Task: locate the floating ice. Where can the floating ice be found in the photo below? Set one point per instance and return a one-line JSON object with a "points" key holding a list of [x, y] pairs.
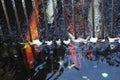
{"points": [[105, 75]]}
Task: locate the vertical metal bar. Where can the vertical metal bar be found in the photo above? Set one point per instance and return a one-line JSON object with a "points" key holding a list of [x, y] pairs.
{"points": [[37, 20], [45, 17], [73, 18], [93, 33], [83, 9], [1, 32], [65, 26], [103, 36], [112, 26], [6, 15], [17, 19], [26, 17], [54, 11]]}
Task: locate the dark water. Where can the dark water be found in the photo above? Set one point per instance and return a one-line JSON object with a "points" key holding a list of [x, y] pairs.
{"points": [[104, 60]]}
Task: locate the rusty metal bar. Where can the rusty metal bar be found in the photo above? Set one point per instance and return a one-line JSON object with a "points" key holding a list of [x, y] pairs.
{"points": [[29, 29], [6, 16], [45, 18], [112, 25], [65, 25], [37, 20], [26, 17], [17, 19], [73, 18], [54, 10], [93, 33], [103, 36], [83, 9]]}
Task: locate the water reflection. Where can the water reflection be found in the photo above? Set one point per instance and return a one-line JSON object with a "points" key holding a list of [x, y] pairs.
{"points": [[58, 61], [55, 62]]}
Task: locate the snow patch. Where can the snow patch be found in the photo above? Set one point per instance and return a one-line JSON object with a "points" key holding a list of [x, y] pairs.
{"points": [[105, 75]]}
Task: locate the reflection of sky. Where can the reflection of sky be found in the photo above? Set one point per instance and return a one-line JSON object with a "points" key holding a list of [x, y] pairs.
{"points": [[93, 70]]}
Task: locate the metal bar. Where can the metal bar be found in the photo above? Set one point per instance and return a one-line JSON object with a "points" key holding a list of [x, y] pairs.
{"points": [[6, 16], [26, 17], [65, 25], [17, 19], [37, 20], [73, 18], [103, 36], [45, 17], [54, 10], [93, 33], [83, 9], [112, 26], [1, 32]]}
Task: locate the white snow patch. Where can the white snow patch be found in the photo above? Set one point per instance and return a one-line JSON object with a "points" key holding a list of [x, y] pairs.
{"points": [[94, 40], [105, 75], [36, 42], [48, 42], [84, 77], [67, 42], [58, 42]]}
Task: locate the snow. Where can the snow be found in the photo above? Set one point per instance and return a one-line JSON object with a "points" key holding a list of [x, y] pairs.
{"points": [[105, 75], [67, 42], [94, 40], [48, 42], [58, 42], [36, 42]]}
